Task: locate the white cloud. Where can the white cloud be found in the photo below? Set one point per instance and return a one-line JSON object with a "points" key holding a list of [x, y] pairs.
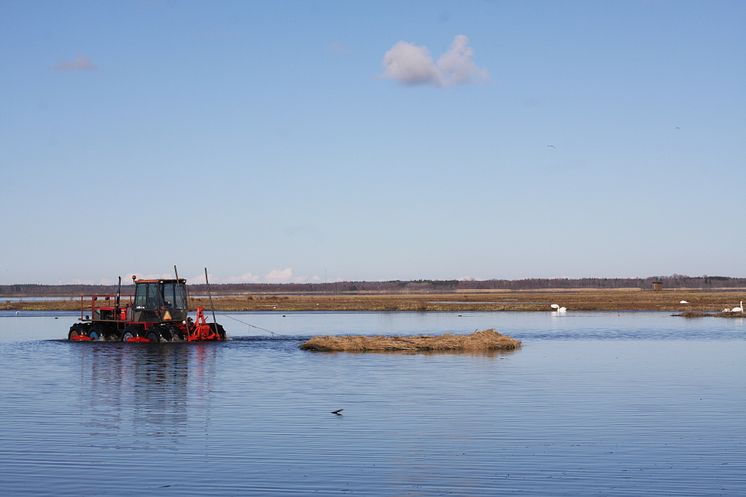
{"points": [[280, 275], [457, 64], [286, 275], [242, 278], [411, 64], [79, 63], [126, 279]]}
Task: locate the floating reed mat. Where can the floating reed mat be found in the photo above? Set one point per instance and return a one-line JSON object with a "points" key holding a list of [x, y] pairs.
{"points": [[708, 314], [479, 341]]}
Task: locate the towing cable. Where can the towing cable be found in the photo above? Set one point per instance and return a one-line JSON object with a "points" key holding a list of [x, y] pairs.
{"points": [[250, 325]]}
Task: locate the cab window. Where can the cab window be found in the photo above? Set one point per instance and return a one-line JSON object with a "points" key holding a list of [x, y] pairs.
{"points": [[174, 295], [148, 296], [141, 294], [180, 296]]}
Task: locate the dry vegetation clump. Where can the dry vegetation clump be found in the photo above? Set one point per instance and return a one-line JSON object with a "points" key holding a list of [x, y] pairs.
{"points": [[694, 314], [704, 314], [732, 315], [479, 341]]}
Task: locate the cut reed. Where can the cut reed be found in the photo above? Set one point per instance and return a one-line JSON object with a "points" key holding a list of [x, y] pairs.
{"points": [[479, 341]]}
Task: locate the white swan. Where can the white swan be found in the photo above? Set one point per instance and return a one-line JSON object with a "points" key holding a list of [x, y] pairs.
{"points": [[738, 309], [560, 310], [683, 302]]}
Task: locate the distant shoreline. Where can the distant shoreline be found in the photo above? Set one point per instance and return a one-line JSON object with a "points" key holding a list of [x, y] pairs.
{"points": [[676, 281], [699, 301]]}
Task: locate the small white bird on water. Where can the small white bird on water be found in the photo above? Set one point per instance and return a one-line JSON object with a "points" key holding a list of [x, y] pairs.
{"points": [[683, 302], [560, 310]]}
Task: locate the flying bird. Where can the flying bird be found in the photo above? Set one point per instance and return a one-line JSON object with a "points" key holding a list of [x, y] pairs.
{"points": [[551, 146], [338, 412]]}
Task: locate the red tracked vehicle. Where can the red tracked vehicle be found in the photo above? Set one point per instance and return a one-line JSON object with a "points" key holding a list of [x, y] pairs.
{"points": [[158, 313]]}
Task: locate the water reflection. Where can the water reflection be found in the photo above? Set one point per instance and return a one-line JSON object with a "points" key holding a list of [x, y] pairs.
{"points": [[593, 404], [128, 394], [487, 354]]}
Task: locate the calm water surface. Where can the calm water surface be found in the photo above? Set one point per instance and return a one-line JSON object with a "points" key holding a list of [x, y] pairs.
{"points": [[593, 404]]}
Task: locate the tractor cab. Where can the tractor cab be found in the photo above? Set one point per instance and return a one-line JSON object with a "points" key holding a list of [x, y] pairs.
{"points": [[158, 301]]}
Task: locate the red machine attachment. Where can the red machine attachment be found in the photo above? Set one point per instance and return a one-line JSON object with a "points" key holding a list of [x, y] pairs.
{"points": [[198, 331], [202, 331]]}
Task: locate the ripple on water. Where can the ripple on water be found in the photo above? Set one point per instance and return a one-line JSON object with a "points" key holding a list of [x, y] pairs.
{"points": [[631, 405]]}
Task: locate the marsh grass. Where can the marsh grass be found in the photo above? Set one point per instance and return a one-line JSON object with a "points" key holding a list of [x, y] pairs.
{"points": [[492, 300], [705, 314], [479, 341]]}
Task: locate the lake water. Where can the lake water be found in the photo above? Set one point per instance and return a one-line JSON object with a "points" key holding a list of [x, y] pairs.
{"points": [[594, 404]]}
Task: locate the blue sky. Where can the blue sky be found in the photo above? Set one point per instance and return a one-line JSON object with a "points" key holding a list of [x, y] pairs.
{"points": [[268, 142]]}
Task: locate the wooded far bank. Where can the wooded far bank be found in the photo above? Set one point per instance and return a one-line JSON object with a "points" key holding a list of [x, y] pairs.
{"points": [[396, 286]]}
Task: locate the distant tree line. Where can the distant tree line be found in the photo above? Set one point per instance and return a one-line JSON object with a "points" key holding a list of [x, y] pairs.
{"points": [[434, 286]]}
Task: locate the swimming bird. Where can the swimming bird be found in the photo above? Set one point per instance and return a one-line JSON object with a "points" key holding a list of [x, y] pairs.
{"points": [[727, 309], [683, 302], [338, 412], [739, 308], [560, 310]]}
